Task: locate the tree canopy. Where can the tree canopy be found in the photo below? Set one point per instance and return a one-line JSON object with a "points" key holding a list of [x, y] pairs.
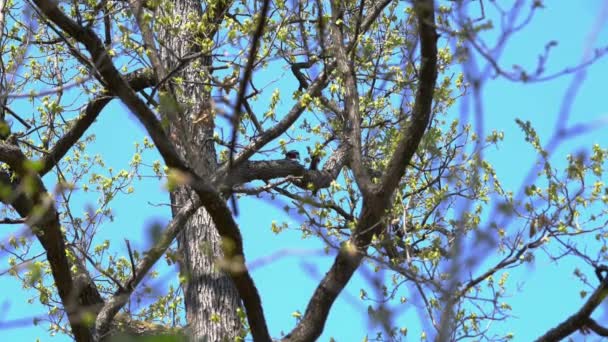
{"points": [[341, 113]]}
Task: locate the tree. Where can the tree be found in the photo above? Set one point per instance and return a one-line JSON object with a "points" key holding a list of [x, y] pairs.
{"points": [[400, 186]]}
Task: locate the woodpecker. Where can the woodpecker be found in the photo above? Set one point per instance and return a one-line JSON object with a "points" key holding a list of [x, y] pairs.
{"points": [[292, 155]]}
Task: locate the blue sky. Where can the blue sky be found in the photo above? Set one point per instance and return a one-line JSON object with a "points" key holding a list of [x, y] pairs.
{"points": [[549, 292]]}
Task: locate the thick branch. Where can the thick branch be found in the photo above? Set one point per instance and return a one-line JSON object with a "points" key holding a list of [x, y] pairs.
{"points": [[579, 319], [42, 217], [271, 169], [412, 132], [274, 132], [115, 81], [598, 329], [346, 263], [65, 143], [138, 80], [264, 170], [313, 90], [211, 199], [351, 105], [373, 208]]}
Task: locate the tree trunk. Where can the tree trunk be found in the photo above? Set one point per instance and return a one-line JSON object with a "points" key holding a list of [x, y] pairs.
{"points": [[211, 299]]}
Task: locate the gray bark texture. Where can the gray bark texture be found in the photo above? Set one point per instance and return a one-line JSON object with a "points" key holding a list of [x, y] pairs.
{"points": [[211, 298]]}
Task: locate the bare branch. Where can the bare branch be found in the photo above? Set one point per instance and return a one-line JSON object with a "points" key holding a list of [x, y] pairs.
{"points": [[211, 199], [580, 319], [313, 91], [413, 131], [138, 80], [240, 99], [369, 223], [598, 329], [351, 104], [115, 81], [120, 298], [43, 218], [270, 169]]}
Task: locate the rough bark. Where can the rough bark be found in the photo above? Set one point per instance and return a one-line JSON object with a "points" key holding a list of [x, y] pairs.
{"points": [[210, 295], [211, 298], [78, 292]]}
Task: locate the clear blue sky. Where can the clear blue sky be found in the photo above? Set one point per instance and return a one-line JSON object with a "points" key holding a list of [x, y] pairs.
{"points": [[549, 291]]}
